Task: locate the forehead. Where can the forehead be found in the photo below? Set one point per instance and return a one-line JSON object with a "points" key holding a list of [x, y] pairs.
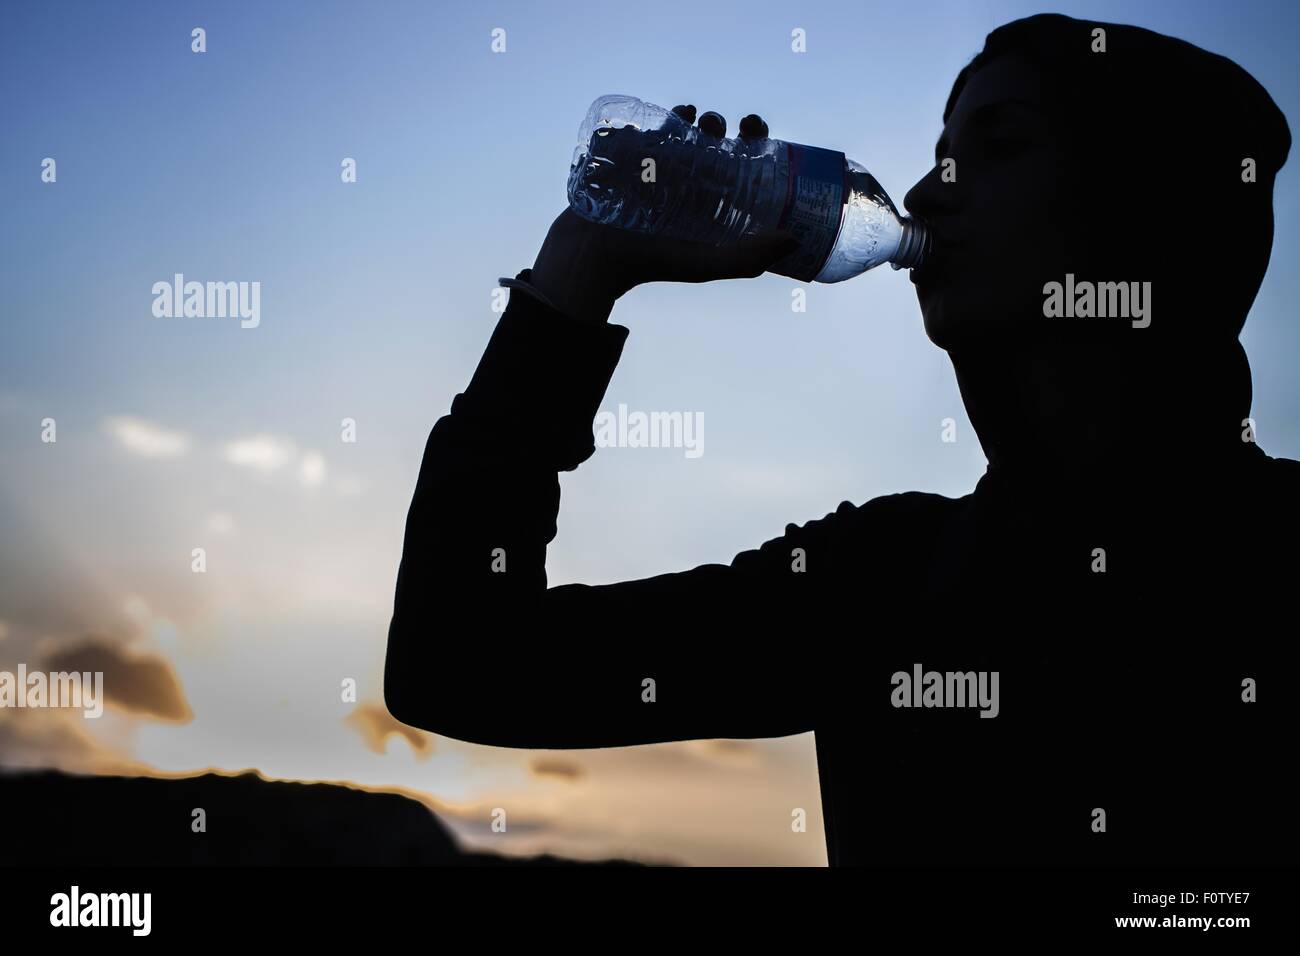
{"points": [[1007, 79]]}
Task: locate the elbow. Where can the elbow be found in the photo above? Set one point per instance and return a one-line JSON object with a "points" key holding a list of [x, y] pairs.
{"points": [[415, 696], [409, 688], [404, 698]]}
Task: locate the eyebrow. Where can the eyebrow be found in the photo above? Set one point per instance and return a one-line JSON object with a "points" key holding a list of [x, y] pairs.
{"points": [[984, 116]]}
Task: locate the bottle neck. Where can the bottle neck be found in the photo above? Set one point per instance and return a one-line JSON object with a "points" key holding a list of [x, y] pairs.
{"points": [[913, 246]]}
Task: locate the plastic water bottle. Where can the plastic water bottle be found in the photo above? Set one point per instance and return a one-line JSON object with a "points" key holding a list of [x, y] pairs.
{"points": [[639, 166]]}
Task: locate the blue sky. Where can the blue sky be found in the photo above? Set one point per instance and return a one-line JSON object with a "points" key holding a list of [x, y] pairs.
{"points": [[377, 301]]}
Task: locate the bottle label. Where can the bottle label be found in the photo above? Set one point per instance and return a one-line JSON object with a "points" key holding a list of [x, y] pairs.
{"points": [[813, 210]]}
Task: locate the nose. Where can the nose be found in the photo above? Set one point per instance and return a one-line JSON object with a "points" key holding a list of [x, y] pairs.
{"points": [[931, 198]]}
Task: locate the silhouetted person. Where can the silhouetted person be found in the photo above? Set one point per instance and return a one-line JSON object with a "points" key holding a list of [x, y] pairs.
{"points": [[1126, 564]]}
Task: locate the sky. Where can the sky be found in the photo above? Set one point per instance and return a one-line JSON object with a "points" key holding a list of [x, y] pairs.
{"points": [[376, 302]]}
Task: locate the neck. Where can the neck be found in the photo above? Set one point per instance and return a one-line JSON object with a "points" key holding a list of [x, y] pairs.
{"points": [[1099, 427]]}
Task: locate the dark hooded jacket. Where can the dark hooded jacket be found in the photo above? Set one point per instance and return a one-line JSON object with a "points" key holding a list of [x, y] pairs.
{"points": [[1130, 612]]}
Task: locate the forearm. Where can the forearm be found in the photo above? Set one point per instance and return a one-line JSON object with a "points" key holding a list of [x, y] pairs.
{"points": [[485, 507]]}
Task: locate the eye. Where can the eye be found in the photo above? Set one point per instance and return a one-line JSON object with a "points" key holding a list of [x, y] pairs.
{"points": [[1006, 147]]}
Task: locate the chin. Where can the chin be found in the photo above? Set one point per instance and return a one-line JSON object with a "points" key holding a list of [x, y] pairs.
{"points": [[942, 327], [937, 333], [954, 318]]}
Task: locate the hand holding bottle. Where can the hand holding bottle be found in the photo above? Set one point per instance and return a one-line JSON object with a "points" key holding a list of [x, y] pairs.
{"points": [[584, 266]]}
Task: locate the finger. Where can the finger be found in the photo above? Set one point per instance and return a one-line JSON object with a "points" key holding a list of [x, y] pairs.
{"points": [[685, 112], [714, 124], [753, 127], [746, 259], [759, 253]]}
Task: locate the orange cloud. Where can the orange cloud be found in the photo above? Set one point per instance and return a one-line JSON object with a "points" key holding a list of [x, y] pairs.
{"points": [[138, 683], [375, 725], [555, 767], [55, 738]]}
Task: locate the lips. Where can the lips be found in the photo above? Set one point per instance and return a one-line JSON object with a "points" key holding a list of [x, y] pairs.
{"points": [[934, 263], [926, 271]]}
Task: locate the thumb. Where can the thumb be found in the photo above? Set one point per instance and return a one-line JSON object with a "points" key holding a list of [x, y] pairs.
{"points": [[756, 254]]}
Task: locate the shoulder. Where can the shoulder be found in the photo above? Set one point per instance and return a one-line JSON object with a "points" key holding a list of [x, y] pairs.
{"points": [[1275, 483], [1283, 469], [921, 505], [1281, 488], [914, 517]]}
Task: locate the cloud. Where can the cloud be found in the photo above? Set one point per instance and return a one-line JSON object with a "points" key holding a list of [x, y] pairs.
{"points": [[349, 485], [702, 802], [270, 453], [375, 725], [220, 523], [728, 749], [56, 738], [137, 683], [311, 470], [260, 452], [556, 767], [147, 439]]}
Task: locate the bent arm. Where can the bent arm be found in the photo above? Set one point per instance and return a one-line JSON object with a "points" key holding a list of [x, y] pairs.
{"points": [[481, 650]]}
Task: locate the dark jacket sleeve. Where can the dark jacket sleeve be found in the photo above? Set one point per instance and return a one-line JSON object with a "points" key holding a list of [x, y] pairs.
{"points": [[481, 650]]}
